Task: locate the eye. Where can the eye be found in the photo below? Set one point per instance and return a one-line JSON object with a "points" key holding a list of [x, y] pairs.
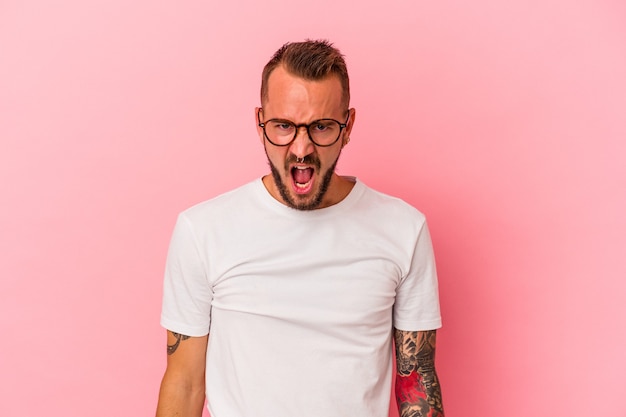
{"points": [[323, 126], [281, 126]]}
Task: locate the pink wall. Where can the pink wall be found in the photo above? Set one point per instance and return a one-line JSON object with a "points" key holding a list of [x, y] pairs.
{"points": [[503, 121]]}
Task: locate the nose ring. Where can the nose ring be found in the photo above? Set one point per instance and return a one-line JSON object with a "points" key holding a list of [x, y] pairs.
{"points": [[299, 160]]}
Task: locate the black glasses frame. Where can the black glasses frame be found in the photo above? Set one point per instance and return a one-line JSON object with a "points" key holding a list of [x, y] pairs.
{"points": [[307, 126]]}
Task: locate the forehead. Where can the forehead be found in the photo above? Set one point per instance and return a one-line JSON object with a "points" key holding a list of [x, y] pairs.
{"points": [[293, 96]]}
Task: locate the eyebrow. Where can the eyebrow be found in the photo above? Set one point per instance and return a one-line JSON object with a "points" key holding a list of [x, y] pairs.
{"points": [[278, 119]]}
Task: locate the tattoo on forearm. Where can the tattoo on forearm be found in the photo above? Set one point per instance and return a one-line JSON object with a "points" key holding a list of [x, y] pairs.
{"points": [[172, 348], [417, 386]]}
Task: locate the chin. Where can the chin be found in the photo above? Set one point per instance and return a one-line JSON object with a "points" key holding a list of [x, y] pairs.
{"points": [[310, 201]]}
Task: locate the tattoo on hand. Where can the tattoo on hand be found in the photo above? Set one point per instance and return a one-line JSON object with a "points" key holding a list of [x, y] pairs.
{"points": [[417, 386], [172, 348]]}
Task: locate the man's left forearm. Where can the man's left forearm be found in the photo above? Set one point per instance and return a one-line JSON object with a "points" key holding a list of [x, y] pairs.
{"points": [[418, 391]]}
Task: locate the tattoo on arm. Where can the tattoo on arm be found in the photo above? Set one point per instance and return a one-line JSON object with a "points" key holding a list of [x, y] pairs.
{"points": [[172, 348], [417, 386]]}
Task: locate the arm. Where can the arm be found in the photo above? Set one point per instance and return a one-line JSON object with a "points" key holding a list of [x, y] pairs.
{"points": [[182, 389], [418, 392]]}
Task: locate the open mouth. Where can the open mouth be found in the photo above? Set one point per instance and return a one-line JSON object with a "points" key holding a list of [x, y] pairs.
{"points": [[302, 179]]}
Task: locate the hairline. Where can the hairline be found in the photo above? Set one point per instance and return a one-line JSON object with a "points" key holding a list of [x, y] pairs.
{"points": [[265, 94]]}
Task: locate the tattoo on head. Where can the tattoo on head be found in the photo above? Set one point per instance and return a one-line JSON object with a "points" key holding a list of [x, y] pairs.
{"points": [[172, 348]]}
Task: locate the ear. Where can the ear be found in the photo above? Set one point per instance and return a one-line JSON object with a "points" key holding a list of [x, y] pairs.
{"points": [[258, 114], [348, 129]]}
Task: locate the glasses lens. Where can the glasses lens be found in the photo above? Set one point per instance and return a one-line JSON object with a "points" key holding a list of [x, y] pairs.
{"points": [[280, 132], [325, 131]]}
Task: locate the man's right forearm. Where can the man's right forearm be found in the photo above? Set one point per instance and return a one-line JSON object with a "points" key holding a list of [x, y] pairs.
{"points": [[182, 388], [176, 400]]}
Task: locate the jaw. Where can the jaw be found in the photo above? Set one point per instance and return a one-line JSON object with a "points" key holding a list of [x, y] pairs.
{"points": [[302, 191], [299, 194]]}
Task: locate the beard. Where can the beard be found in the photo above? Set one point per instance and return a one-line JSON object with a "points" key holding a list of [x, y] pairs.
{"points": [[316, 200]]}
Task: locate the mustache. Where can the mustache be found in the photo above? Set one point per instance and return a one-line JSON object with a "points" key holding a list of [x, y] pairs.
{"points": [[309, 160]]}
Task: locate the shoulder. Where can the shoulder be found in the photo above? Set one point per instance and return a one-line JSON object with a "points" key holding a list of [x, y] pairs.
{"points": [[390, 207], [239, 198]]}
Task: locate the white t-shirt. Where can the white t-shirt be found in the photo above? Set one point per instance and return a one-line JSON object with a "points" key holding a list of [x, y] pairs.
{"points": [[300, 305]]}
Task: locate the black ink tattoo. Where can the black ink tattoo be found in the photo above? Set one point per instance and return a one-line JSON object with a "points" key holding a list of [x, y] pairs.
{"points": [[417, 386], [172, 348]]}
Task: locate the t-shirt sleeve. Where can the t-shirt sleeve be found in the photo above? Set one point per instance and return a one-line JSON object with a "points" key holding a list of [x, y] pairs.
{"points": [[187, 295], [417, 298]]}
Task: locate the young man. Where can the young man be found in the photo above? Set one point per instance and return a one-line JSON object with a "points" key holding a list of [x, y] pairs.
{"points": [[281, 298]]}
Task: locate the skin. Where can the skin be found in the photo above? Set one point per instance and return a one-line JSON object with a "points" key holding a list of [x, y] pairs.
{"points": [[418, 392], [302, 101], [182, 391]]}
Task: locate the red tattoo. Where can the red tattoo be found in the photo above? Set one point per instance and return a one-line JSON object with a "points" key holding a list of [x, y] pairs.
{"points": [[412, 397], [417, 386], [410, 388]]}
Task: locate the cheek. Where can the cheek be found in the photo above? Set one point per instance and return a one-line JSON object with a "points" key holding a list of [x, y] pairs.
{"points": [[328, 157], [277, 157]]}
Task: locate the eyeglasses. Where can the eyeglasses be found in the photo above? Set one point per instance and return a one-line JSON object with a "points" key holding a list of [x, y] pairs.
{"points": [[322, 132]]}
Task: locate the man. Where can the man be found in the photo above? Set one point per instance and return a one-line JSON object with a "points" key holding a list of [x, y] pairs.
{"points": [[281, 298]]}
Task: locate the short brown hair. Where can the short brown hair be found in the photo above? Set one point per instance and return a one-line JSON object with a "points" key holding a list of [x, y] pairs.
{"points": [[311, 60]]}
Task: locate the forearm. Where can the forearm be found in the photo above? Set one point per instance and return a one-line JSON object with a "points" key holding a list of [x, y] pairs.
{"points": [[418, 391], [182, 391], [419, 395], [180, 400]]}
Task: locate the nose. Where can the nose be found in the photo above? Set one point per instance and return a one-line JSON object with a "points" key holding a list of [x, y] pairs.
{"points": [[302, 144]]}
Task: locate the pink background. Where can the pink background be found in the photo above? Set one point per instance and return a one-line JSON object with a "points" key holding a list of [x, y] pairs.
{"points": [[503, 121]]}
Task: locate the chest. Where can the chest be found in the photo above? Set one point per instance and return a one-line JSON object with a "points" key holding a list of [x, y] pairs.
{"points": [[323, 273]]}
